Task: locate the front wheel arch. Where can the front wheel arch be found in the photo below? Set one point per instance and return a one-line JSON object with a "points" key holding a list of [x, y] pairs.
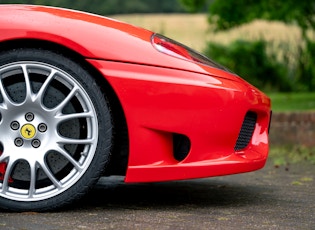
{"points": [[120, 152]]}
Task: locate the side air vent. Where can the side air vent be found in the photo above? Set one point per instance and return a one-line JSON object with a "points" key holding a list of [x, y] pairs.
{"points": [[181, 146], [246, 132]]}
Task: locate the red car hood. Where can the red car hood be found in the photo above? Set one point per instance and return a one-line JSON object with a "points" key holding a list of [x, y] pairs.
{"points": [[92, 36]]}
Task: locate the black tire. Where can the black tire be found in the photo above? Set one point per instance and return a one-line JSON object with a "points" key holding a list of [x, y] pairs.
{"points": [[49, 159]]}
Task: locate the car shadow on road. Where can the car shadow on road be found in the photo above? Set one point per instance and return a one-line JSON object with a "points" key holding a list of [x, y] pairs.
{"points": [[113, 193]]}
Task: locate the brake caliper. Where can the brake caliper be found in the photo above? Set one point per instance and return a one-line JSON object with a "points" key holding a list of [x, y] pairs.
{"points": [[3, 167]]}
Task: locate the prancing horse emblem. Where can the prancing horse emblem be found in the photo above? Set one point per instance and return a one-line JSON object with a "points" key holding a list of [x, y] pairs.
{"points": [[28, 131]]}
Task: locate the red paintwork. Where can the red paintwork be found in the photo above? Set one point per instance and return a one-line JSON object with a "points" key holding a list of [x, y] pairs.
{"points": [[160, 94]]}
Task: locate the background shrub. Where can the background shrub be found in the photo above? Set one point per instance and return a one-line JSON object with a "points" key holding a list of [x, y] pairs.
{"points": [[249, 59]]}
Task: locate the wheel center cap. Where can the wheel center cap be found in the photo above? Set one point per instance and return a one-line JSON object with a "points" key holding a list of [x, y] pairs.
{"points": [[28, 131]]}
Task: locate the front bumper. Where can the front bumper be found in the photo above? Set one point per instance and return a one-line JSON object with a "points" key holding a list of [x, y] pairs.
{"points": [[210, 111]]}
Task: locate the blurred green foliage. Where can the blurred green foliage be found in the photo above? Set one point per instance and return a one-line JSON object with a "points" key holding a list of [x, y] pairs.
{"points": [[228, 14], [196, 5], [251, 59], [306, 67]]}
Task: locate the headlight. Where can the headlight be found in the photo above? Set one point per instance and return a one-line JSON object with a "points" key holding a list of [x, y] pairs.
{"points": [[170, 47]]}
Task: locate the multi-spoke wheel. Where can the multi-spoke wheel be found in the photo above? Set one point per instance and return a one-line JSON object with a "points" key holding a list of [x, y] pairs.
{"points": [[55, 130]]}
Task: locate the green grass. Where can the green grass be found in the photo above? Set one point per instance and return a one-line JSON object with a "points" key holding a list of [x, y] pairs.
{"points": [[292, 102], [288, 102], [286, 155]]}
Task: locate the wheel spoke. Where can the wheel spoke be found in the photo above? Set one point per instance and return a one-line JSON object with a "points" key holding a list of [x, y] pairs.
{"points": [[70, 159], [50, 175], [29, 93], [32, 189], [5, 96], [3, 106], [3, 156], [64, 140], [59, 108], [41, 92], [65, 117]]}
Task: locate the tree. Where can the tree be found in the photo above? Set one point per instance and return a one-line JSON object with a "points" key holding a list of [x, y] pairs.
{"points": [[224, 15], [227, 14]]}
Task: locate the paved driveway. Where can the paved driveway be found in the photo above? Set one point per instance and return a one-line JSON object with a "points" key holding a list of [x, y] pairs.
{"points": [[272, 198]]}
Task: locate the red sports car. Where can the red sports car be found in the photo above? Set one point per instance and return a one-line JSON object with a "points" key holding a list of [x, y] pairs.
{"points": [[84, 96]]}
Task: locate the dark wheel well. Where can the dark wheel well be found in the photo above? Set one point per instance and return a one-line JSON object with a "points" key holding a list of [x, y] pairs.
{"points": [[119, 158]]}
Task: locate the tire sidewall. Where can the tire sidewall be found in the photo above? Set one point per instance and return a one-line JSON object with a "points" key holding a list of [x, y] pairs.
{"points": [[102, 152]]}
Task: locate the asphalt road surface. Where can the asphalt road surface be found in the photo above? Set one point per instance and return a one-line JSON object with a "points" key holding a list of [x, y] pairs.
{"points": [[271, 198]]}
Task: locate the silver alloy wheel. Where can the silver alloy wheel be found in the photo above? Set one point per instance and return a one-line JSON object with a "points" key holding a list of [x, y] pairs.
{"points": [[48, 131]]}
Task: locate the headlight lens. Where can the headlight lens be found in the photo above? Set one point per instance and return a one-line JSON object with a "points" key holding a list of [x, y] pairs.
{"points": [[170, 47]]}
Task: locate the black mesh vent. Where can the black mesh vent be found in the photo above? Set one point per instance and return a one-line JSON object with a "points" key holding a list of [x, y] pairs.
{"points": [[246, 132]]}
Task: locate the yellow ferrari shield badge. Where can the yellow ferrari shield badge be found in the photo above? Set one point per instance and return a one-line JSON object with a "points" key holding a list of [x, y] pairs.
{"points": [[28, 131]]}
